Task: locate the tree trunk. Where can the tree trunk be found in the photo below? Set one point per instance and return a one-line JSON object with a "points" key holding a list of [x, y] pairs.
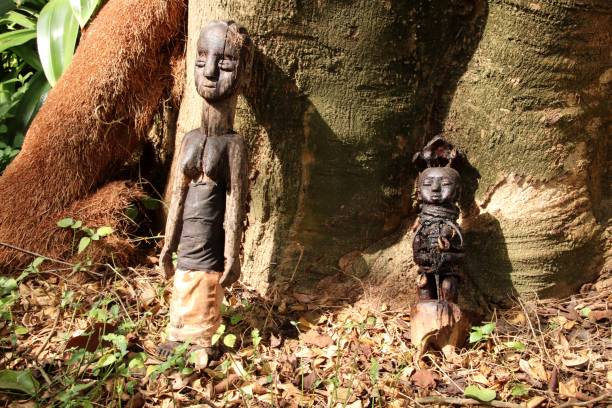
{"points": [[344, 92], [532, 112], [341, 95]]}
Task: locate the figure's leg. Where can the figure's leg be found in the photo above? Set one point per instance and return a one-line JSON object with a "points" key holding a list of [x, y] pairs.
{"points": [[449, 289], [195, 311], [426, 285]]}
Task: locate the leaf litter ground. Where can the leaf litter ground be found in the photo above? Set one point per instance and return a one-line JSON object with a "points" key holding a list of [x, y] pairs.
{"points": [[93, 345]]}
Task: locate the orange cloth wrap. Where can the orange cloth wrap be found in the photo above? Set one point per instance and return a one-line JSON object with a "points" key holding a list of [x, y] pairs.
{"points": [[195, 308]]}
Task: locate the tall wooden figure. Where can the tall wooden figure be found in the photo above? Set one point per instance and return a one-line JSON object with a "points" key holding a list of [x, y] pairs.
{"points": [[205, 218], [437, 249]]}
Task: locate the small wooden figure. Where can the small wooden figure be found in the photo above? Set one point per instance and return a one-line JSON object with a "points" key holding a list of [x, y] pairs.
{"points": [[437, 248], [205, 218]]}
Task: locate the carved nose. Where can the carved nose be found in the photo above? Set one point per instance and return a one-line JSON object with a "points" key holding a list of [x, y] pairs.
{"points": [[210, 70], [435, 186]]}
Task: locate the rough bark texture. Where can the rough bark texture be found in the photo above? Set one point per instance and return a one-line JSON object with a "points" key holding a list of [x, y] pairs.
{"points": [[342, 93], [88, 128], [532, 114]]}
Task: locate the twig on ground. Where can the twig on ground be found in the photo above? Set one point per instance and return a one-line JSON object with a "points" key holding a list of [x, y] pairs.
{"points": [[25, 251], [572, 403], [464, 402], [55, 323]]}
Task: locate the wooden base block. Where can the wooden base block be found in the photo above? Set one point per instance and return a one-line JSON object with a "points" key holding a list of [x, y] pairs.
{"points": [[437, 325]]}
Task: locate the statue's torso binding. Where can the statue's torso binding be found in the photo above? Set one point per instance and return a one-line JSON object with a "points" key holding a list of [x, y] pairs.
{"points": [[201, 245]]}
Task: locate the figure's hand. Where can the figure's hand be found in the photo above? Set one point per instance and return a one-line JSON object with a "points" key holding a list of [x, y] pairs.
{"points": [[165, 263], [231, 272]]}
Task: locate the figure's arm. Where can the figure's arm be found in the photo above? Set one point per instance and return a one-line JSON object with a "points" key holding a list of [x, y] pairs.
{"points": [[175, 218], [234, 211]]}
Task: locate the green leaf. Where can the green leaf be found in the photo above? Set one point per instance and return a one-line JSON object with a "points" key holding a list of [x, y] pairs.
{"points": [[18, 381], [83, 244], [487, 328], [77, 224], [83, 10], [57, 31], [255, 336], [20, 330], [31, 101], [67, 298], [15, 17], [38, 261], [106, 360], [119, 341], [476, 336], [131, 212], [149, 203], [137, 361], [218, 334], [14, 38], [187, 371], [6, 6], [519, 390], [95, 237], [481, 394], [7, 285], [230, 340], [374, 371], [585, 311], [104, 231], [516, 345], [65, 222], [28, 53], [88, 231], [235, 319]]}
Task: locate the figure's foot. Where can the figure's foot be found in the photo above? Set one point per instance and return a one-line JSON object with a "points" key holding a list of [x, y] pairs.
{"points": [[166, 349], [201, 355]]}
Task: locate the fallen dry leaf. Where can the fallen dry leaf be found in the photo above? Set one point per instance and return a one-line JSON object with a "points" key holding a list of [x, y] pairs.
{"points": [[424, 378], [575, 361], [313, 338], [536, 402], [569, 388]]}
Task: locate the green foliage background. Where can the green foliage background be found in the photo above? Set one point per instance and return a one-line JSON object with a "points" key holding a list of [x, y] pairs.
{"points": [[37, 41]]}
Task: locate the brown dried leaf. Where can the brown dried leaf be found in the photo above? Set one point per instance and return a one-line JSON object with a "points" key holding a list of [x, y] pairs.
{"points": [[536, 402], [575, 361], [424, 378], [569, 388], [313, 338]]}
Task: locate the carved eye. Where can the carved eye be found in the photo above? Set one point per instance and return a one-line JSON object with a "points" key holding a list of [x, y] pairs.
{"points": [[227, 64], [200, 63]]}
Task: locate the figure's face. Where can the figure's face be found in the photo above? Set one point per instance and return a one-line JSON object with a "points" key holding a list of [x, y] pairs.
{"points": [[439, 185], [217, 65]]}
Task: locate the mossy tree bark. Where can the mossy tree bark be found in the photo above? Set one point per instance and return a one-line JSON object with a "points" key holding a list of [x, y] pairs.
{"points": [[532, 113], [343, 93]]}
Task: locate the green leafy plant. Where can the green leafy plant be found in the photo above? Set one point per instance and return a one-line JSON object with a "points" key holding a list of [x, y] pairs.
{"points": [[519, 390], [516, 345], [87, 234], [228, 339], [481, 394], [37, 42], [481, 333]]}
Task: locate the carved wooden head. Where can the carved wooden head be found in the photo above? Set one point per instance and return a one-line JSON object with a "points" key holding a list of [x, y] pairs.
{"points": [[223, 60], [439, 185]]}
